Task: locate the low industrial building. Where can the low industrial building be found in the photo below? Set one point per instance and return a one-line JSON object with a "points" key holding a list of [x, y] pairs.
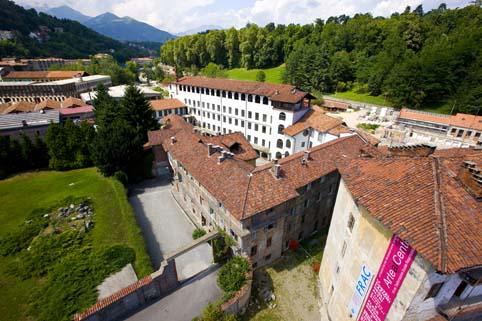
{"points": [[443, 131], [405, 240], [32, 91], [263, 208], [28, 123], [117, 92], [42, 76]]}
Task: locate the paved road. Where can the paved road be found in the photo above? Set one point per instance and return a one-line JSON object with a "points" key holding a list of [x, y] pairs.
{"points": [[166, 228], [184, 304]]}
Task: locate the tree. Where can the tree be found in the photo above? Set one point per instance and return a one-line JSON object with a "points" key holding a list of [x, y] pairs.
{"points": [[260, 76], [117, 147], [214, 71], [105, 107], [136, 110]]}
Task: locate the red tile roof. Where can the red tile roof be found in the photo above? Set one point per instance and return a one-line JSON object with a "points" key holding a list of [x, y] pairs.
{"points": [[72, 102], [422, 200], [168, 103], [244, 190], [316, 119], [335, 104], [76, 110], [276, 92]]}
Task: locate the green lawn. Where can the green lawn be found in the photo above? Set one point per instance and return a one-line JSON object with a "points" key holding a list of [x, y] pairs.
{"points": [[363, 98], [273, 75], [113, 217]]}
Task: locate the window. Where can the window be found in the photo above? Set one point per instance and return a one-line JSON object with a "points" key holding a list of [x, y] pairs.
{"points": [[242, 112], [236, 122], [254, 250], [255, 140], [460, 289], [302, 144], [287, 154], [250, 114], [265, 117], [242, 123], [224, 94], [230, 120], [224, 109], [265, 100], [249, 138], [460, 133], [477, 134], [256, 99], [236, 96], [288, 143], [243, 97], [256, 127], [280, 129], [268, 242], [306, 132], [256, 116], [434, 290], [202, 91], [307, 203], [343, 249], [219, 108], [218, 93], [230, 95], [267, 257], [263, 129], [279, 143], [282, 116], [303, 218], [263, 142], [236, 111], [278, 155], [250, 98], [230, 110], [249, 125], [469, 133], [351, 222]]}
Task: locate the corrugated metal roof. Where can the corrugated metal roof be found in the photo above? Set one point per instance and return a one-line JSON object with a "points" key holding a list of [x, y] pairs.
{"points": [[13, 121]]}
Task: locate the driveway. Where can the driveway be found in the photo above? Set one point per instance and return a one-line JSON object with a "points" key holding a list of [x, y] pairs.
{"points": [[166, 228], [186, 302]]}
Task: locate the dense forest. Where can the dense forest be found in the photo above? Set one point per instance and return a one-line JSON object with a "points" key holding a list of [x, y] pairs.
{"points": [[414, 58], [73, 40]]}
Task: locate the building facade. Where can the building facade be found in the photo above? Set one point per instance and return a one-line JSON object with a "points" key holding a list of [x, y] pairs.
{"points": [[432, 205], [168, 106], [263, 208], [259, 110]]}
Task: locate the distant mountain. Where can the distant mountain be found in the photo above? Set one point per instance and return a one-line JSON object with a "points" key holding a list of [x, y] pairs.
{"points": [[66, 12], [126, 29], [41, 35], [199, 29]]}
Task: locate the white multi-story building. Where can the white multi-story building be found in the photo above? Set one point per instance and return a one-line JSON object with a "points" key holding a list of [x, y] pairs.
{"points": [[260, 111]]}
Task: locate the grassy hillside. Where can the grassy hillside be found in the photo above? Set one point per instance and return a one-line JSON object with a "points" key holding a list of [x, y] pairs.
{"points": [[273, 75], [114, 224]]}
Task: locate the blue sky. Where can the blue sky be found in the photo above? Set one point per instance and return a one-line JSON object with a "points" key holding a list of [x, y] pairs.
{"points": [[179, 15]]}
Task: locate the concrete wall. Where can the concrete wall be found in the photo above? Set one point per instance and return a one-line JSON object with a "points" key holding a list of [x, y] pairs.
{"points": [[129, 299]]}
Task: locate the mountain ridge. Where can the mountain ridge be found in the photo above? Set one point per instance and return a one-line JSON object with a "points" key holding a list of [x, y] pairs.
{"points": [[119, 28]]}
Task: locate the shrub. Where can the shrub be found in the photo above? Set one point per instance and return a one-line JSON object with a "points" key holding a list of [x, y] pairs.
{"points": [[261, 76], [232, 276], [121, 177], [213, 312], [197, 233]]}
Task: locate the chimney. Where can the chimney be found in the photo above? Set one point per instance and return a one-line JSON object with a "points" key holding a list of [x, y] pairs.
{"points": [[211, 149], [306, 155], [277, 170], [173, 140], [277, 92]]}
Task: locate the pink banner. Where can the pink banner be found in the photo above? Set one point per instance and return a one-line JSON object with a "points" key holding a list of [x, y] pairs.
{"points": [[392, 272]]}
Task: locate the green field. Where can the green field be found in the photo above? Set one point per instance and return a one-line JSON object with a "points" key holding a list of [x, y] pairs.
{"points": [[363, 98], [114, 223], [273, 75]]}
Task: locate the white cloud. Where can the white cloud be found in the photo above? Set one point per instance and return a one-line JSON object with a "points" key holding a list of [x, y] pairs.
{"points": [[181, 15]]}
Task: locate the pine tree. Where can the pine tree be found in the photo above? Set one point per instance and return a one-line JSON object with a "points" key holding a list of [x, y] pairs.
{"points": [[136, 110], [105, 107]]}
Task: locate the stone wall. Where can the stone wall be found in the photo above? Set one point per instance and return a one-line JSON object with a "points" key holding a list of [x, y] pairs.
{"points": [[127, 300], [239, 302]]}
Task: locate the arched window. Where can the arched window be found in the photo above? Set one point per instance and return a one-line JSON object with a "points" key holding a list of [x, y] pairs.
{"points": [[288, 143], [265, 100], [279, 143], [218, 93], [236, 96], [282, 116], [278, 155], [243, 97], [250, 98], [287, 154], [256, 99], [280, 129], [306, 132]]}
